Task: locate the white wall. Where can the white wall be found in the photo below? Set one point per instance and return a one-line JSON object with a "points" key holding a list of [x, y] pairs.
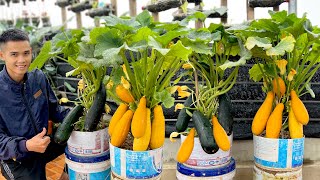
{"points": [[236, 11]]}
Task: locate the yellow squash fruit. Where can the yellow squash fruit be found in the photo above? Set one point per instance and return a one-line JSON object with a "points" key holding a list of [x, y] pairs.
{"points": [[220, 135], [142, 144], [157, 128], [299, 109], [281, 89], [117, 116], [124, 94], [295, 127], [274, 123], [186, 147], [139, 120], [122, 128], [260, 119]]}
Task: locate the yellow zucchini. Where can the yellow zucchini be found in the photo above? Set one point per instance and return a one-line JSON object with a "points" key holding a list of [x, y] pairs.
{"points": [[124, 94], [186, 147], [122, 128], [117, 116], [299, 110], [262, 115], [142, 144], [274, 123], [157, 128], [295, 127], [139, 120], [220, 135]]}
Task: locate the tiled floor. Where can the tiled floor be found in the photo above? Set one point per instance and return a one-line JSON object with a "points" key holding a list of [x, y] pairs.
{"points": [[53, 169]]}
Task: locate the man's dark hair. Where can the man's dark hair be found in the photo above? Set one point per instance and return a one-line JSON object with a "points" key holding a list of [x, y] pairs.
{"points": [[13, 35]]}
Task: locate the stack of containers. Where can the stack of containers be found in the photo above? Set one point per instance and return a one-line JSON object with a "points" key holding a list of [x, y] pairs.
{"points": [[87, 155], [200, 165]]}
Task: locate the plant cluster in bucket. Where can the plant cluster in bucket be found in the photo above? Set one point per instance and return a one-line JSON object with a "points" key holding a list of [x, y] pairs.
{"points": [[208, 104], [286, 51]]}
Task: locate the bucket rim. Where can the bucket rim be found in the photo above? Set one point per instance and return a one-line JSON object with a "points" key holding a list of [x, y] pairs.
{"points": [[275, 139], [87, 159], [121, 149]]}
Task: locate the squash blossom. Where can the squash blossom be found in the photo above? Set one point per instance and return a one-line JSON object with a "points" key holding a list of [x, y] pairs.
{"points": [[187, 66], [291, 74], [182, 93], [178, 106], [80, 85], [125, 83], [173, 89], [109, 85], [107, 108], [63, 100], [125, 71], [282, 65]]}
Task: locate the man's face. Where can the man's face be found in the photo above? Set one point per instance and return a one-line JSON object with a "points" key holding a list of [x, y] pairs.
{"points": [[17, 56]]}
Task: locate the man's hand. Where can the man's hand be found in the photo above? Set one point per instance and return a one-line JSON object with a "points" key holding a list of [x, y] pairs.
{"points": [[39, 142]]}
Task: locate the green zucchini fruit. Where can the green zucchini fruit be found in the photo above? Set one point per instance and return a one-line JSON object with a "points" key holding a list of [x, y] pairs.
{"points": [[95, 111], [225, 116], [205, 132], [65, 129], [183, 118]]}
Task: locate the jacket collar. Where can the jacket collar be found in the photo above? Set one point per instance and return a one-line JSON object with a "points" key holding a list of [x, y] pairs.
{"points": [[4, 74]]}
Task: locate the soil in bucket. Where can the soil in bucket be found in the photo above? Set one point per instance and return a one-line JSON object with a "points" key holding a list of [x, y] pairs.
{"points": [[88, 167]]}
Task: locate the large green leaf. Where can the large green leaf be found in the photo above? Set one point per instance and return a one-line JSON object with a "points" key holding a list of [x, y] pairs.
{"points": [[142, 34], [165, 97], [180, 51], [286, 45], [266, 24], [255, 72], [96, 32], [121, 23], [244, 56], [166, 38], [202, 35], [144, 18], [111, 39], [199, 47], [257, 41], [86, 50], [43, 56], [157, 46], [111, 57], [302, 42]]}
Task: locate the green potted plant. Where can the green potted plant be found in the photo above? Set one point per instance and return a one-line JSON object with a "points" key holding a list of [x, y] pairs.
{"points": [[142, 87], [213, 64], [286, 53]]}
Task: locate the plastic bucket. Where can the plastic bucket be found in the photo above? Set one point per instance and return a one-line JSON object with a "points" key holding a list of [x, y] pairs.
{"points": [[226, 172], [126, 164], [83, 167], [262, 174], [281, 154], [200, 159], [89, 143]]}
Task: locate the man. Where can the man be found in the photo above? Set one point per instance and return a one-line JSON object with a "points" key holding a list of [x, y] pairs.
{"points": [[27, 102]]}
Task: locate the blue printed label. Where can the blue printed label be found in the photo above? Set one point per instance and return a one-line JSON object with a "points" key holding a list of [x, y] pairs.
{"points": [[104, 175], [297, 152]]}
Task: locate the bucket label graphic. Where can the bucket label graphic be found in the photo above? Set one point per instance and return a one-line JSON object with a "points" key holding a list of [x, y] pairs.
{"points": [[278, 153], [136, 164]]}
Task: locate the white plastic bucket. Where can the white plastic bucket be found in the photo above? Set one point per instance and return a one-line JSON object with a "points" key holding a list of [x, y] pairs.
{"points": [[262, 174], [226, 172], [88, 168], [282, 154], [126, 164], [200, 159], [89, 143]]}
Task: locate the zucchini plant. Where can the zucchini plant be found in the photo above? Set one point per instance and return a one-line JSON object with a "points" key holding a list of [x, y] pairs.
{"points": [[285, 49], [213, 68]]}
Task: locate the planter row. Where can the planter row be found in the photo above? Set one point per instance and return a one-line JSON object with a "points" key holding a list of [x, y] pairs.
{"points": [[246, 97]]}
